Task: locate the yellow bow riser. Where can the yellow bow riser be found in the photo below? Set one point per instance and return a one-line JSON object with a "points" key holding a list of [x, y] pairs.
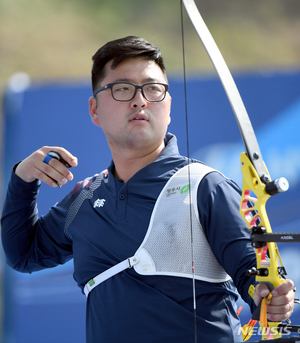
{"points": [[253, 210]]}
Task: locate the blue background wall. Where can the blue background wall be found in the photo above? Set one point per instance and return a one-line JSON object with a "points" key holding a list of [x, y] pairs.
{"points": [[48, 307]]}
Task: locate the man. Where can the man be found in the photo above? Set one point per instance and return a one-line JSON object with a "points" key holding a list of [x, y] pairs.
{"points": [[116, 214]]}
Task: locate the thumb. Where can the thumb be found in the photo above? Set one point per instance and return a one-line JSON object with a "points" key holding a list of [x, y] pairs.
{"points": [[261, 291]]}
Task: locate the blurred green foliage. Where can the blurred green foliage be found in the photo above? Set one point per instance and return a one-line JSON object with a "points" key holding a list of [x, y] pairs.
{"points": [[54, 39]]}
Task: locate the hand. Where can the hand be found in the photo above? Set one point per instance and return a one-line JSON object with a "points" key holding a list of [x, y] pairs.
{"points": [[33, 167], [282, 302]]}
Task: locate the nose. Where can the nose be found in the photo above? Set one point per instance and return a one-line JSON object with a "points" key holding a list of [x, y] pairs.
{"points": [[139, 100]]}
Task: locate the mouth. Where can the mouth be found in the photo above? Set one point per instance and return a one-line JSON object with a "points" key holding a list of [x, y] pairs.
{"points": [[139, 117]]}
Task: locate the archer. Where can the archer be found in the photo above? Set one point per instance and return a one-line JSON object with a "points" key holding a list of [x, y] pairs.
{"points": [[104, 220]]}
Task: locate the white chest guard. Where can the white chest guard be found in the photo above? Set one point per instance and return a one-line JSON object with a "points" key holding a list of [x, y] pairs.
{"points": [[166, 248]]}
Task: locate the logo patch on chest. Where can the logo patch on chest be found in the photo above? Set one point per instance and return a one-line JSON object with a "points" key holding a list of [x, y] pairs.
{"points": [[99, 203]]}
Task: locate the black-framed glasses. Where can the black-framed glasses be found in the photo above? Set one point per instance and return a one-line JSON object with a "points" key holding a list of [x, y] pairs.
{"points": [[125, 91]]}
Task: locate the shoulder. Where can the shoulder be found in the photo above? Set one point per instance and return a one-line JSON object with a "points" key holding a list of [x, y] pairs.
{"points": [[215, 182], [89, 182], [218, 196]]}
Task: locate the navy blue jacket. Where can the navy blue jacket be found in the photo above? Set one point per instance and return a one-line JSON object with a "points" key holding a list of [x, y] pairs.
{"points": [[130, 307]]}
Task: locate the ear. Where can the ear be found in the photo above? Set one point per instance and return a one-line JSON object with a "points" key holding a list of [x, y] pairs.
{"points": [[170, 110], [93, 111]]}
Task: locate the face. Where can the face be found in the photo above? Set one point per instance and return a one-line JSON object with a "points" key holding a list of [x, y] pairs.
{"points": [[135, 124]]}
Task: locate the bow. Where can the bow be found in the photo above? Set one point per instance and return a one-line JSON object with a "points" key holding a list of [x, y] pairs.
{"points": [[257, 185]]}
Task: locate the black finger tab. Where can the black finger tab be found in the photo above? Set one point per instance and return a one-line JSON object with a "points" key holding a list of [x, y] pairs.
{"points": [[57, 156]]}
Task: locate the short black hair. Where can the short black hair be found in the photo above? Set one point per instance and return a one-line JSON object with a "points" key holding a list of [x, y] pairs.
{"points": [[120, 50]]}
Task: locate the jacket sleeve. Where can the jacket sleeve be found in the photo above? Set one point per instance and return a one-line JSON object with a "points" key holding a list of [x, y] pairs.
{"points": [[226, 231], [31, 243]]}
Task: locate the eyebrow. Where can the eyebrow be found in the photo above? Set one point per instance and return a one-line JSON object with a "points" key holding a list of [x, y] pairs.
{"points": [[149, 79]]}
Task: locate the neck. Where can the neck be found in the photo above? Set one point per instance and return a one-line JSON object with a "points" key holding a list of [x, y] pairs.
{"points": [[126, 165]]}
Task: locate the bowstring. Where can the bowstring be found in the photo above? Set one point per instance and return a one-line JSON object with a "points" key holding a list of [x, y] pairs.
{"points": [[189, 173]]}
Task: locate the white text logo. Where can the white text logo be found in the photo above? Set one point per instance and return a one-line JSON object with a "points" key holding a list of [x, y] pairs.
{"points": [[99, 203]]}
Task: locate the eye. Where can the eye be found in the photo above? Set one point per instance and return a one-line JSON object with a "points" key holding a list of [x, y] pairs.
{"points": [[121, 88], [154, 88]]}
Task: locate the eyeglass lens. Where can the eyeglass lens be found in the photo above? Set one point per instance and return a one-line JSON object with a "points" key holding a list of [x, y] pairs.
{"points": [[151, 91]]}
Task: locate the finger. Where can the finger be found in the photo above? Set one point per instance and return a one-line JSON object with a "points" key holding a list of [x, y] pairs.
{"points": [[283, 288], [54, 170], [59, 171], [280, 313], [282, 299], [262, 290], [42, 174], [286, 308], [64, 154], [60, 167], [56, 155]]}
